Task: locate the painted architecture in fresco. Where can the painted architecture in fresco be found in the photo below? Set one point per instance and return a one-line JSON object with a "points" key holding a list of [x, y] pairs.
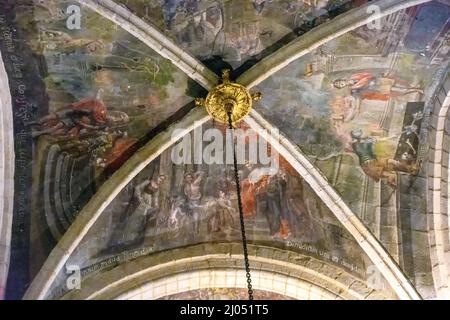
{"points": [[356, 107]]}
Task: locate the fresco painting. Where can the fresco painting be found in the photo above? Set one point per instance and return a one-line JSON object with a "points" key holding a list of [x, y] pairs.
{"points": [[237, 31], [357, 107], [105, 91], [168, 206], [355, 100]]}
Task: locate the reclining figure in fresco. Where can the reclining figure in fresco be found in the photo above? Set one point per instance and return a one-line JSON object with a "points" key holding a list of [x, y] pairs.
{"points": [[87, 115], [377, 168], [368, 86]]}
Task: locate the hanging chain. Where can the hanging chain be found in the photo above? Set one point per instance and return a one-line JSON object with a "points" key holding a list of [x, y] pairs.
{"points": [[241, 213]]}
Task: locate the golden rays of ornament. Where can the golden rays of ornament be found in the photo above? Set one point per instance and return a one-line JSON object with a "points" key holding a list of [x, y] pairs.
{"points": [[228, 96]]}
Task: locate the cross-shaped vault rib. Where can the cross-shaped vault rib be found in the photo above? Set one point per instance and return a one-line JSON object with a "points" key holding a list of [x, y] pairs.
{"points": [[197, 71], [153, 38]]}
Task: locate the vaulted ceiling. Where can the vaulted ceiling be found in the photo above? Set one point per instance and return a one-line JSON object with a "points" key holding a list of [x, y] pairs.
{"points": [[354, 107]]}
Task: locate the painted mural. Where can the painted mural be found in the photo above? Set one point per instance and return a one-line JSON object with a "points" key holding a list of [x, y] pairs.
{"points": [[358, 101], [86, 99], [106, 92], [365, 100], [89, 98], [171, 205], [238, 30], [356, 107]]}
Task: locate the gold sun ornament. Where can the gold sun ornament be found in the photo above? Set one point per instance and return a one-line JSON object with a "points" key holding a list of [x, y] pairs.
{"points": [[228, 97]]}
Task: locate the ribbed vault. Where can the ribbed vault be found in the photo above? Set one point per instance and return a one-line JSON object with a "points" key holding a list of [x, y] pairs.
{"points": [[395, 277], [140, 276]]}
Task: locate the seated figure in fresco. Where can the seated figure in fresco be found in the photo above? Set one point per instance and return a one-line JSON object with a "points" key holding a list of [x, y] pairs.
{"points": [[87, 115], [368, 86], [222, 219], [144, 204], [193, 194], [373, 166]]}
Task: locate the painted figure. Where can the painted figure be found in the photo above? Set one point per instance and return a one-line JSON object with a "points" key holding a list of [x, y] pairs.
{"points": [[222, 219], [378, 168], [367, 86], [84, 116], [253, 183], [273, 206], [192, 192], [144, 205], [192, 187], [300, 218]]}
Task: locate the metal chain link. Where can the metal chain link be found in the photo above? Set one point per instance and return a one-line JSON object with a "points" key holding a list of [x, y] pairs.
{"points": [[241, 214]]}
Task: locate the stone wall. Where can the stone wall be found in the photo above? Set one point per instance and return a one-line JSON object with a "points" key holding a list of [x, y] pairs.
{"points": [[438, 190], [6, 175]]}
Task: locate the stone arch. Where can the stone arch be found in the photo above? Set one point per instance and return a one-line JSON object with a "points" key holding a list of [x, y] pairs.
{"points": [[196, 267], [438, 189]]}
